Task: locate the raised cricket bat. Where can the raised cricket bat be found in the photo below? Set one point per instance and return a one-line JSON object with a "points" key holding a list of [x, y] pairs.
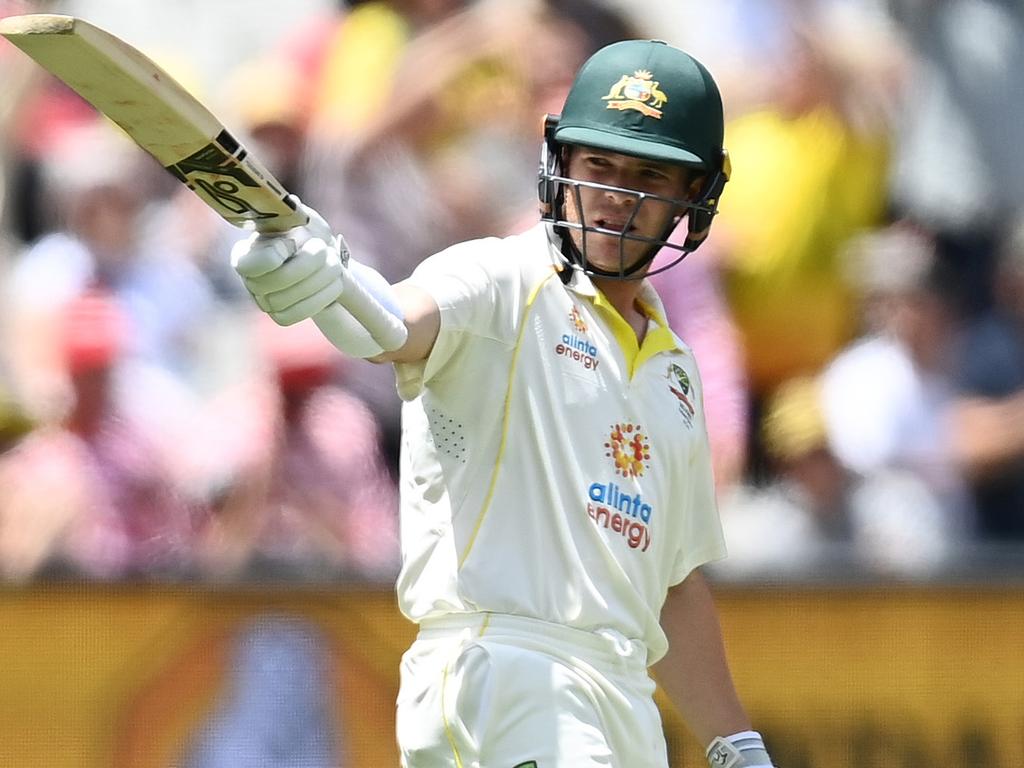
{"points": [[184, 136]]}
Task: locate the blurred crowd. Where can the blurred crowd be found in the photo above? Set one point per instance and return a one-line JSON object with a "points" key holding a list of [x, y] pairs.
{"points": [[857, 311]]}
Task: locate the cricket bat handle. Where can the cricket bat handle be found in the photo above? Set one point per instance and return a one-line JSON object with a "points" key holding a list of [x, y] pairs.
{"points": [[383, 326], [387, 330]]}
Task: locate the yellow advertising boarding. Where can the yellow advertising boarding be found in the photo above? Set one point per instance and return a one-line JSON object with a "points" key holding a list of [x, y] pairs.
{"points": [[99, 676]]}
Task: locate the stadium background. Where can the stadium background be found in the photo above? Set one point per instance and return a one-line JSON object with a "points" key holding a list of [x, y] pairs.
{"points": [[863, 658]]}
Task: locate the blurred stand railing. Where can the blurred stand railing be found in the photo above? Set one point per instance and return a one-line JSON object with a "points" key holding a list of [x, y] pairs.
{"points": [[972, 564]]}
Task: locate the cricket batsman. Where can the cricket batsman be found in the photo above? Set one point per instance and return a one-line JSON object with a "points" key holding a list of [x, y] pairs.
{"points": [[557, 500]]}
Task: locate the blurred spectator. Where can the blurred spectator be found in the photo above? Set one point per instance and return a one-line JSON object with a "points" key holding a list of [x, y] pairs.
{"points": [[35, 112], [698, 312], [96, 178], [453, 93], [785, 525], [958, 169], [738, 40], [806, 178], [600, 22], [15, 75], [14, 422], [46, 110], [185, 228], [886, 398], [356, 74], [267, 97], [744, 42], [989, 410], [91, 494], [276, 711], [311, 494], [816, 512]]}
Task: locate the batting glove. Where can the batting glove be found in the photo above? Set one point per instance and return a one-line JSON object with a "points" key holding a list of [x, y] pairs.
{"points": [[741, 750], [296, 274]]}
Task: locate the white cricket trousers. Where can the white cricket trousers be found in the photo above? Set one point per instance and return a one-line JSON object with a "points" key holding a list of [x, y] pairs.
{"points": [[498, 691]]}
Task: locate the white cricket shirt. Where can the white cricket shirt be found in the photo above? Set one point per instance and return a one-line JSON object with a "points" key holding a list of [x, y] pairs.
{"points": [[550, 467]]}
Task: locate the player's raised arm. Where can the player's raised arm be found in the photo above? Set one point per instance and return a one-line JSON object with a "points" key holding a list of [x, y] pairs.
{"points": [[422, 321], [307, 272]]}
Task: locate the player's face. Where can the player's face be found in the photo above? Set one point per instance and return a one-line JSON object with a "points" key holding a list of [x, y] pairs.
{"points": [[619, 211]]}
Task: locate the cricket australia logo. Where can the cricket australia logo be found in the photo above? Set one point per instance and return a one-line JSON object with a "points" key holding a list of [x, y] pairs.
{"points": [[638, 91], [627, 446], [679, 386]]}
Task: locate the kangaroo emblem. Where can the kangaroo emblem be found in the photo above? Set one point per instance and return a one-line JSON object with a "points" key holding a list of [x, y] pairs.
{"points": [[659, 96]]}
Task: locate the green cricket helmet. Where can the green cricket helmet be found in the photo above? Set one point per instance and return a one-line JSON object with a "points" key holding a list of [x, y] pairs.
{"points": [[647, 99]]}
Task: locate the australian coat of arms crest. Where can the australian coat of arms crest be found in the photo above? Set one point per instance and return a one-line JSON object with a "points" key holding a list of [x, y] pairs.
{"points": [[639, 91]]}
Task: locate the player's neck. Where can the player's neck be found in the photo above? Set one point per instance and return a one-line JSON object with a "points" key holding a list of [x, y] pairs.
{"points": [[622, 294]]}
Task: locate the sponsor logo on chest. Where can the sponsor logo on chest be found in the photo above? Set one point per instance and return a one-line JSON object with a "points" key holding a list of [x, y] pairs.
{"points": [[617, 509]]}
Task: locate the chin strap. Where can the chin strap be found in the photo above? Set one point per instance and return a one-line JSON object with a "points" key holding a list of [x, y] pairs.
{"points": [[561, 237], [575, 259]]}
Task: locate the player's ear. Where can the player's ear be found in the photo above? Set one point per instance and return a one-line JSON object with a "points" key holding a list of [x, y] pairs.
{"points": [[694, 185]]}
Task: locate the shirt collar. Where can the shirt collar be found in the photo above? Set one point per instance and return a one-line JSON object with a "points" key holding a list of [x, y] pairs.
{"points": [[664, 338]]}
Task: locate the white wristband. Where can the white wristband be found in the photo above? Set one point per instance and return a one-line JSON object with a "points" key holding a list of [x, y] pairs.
{"points": [[740, 750]]}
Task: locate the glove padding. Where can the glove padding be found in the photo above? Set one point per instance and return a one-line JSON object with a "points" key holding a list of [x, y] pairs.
{"points": [[741, 750], [296, 274]]}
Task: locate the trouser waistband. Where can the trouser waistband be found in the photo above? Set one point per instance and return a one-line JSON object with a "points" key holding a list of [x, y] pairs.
{"points": [[604, 646]]}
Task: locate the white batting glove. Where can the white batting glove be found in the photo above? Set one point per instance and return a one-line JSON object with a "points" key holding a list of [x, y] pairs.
{"points": [[741, 750], [296, 274]]}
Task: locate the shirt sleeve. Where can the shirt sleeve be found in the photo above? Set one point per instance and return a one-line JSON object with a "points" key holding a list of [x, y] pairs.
{"points": [[701, 537], [478, 293]]}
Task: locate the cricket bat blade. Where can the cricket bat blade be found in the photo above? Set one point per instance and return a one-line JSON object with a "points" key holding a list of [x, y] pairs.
{"points": [[173, 126], [159, 114]]}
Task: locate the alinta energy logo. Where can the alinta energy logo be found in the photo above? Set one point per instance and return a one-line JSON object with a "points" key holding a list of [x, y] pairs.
{"points": [[577, 321], [628, 447], [614, 508], [575, 345]]}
